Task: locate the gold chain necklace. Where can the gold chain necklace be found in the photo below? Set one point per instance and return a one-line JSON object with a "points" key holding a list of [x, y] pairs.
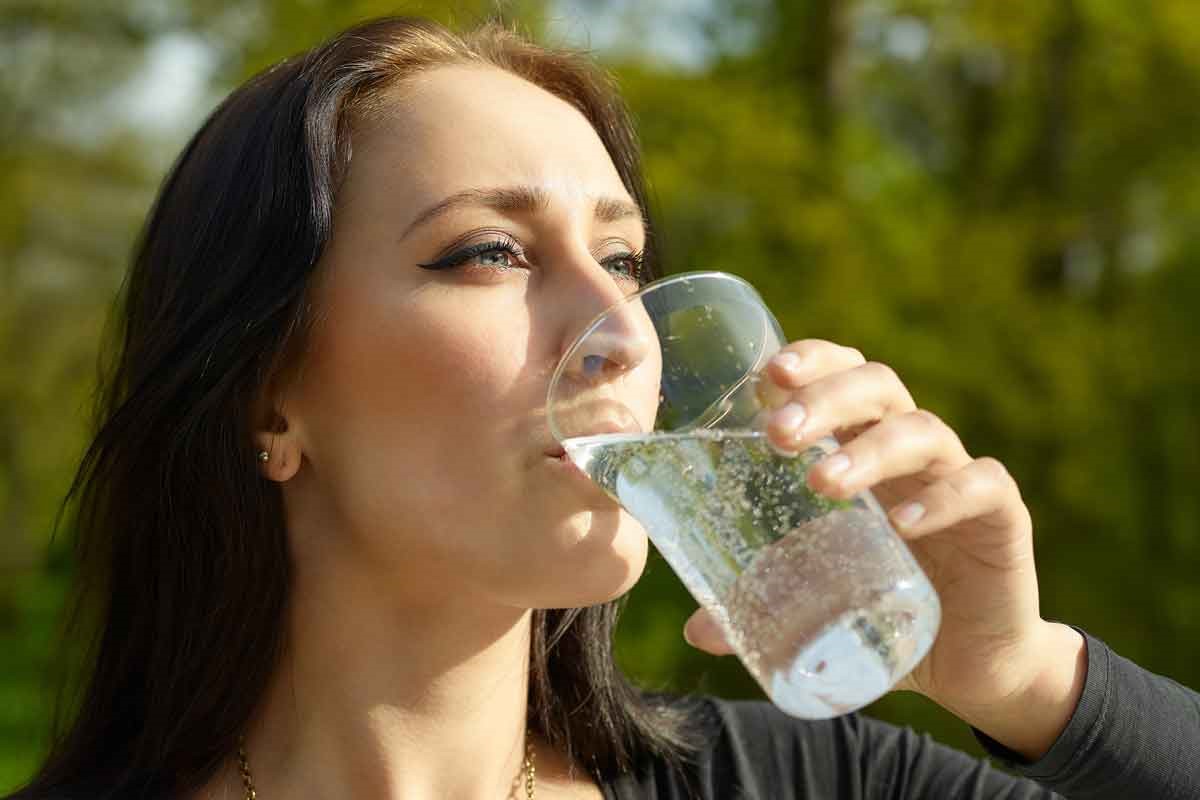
{"points": [[248, 779]]}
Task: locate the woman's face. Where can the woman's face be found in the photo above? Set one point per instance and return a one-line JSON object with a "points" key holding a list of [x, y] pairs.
{"points": [[419, 408]]}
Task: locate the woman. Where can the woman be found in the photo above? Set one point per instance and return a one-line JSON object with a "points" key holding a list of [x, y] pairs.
{"points": [[327, 537]]}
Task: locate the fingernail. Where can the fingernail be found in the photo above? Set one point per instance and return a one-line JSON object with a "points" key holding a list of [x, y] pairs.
{"points": [[908, 515], [789, 362], [835, 465], [791, 417], [703, 625]]}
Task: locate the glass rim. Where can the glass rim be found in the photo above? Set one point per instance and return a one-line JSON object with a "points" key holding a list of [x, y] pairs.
{"points": [[649, 288]]}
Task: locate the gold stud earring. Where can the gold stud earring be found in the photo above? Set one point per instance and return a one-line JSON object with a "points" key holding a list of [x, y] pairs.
{"points": [[264, 456]]}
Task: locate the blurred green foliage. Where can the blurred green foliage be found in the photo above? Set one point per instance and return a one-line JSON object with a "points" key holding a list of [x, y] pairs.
{"points": [[1001, 200]]}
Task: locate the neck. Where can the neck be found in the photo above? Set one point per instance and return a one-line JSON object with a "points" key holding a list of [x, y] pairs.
{"points": [[376, 700]]}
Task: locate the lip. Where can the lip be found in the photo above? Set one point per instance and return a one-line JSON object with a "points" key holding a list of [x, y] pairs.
{"points": [[596, 429], [561, 462]]}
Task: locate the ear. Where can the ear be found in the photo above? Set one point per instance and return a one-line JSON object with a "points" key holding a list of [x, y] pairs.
{"points": [[277, 447]]}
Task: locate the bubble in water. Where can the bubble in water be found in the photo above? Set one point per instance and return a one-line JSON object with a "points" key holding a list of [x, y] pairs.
{"points": [[802, 585]]}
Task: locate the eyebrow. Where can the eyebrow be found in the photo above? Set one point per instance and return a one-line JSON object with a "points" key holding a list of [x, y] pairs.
{"points": [[521, 199]]}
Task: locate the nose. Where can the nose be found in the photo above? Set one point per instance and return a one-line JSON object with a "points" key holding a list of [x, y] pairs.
{"points": [[598, 387], [606, 354], [612, 346]]}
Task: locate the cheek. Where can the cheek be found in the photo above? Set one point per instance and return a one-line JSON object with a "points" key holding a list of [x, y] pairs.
{"points": [[400, 403], [411, 374], [433, 349]]}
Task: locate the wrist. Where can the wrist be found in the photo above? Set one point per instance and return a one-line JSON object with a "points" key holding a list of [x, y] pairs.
{"points": [[1029, 721]]}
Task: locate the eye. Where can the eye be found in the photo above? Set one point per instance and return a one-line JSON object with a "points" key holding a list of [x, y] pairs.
{"points": [[627, 267], [502, 253], [497, 257]]}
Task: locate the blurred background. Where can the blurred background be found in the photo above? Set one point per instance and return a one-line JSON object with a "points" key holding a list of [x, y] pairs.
{"points": [[1000, 199]]}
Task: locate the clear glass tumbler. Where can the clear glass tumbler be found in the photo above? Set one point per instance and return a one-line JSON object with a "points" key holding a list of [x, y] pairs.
{"points": [[658, 402]]}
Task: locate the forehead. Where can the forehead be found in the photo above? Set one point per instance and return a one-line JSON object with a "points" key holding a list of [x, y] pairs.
{"points": [[456, 127]]}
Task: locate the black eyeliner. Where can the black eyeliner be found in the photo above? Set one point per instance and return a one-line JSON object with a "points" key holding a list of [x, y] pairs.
{"points": [[508, 245], [465, 254], [459, 256]]}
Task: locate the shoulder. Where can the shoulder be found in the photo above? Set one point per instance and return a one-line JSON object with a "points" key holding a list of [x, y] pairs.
{"points": [[736, 727], [748, 749], [754, 751]]}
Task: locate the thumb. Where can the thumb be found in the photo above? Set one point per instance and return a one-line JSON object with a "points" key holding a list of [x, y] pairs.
{"points": [[703, 633]]}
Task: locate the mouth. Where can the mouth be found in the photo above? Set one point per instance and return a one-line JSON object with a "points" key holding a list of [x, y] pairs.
{"points": [[557, 458], [598, 429]]}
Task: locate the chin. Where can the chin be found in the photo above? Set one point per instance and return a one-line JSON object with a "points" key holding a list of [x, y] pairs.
{"points": [[606, 557]]}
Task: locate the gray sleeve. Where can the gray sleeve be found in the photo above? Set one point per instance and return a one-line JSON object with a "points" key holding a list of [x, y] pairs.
{"points": [[1133, 734], [896, 763], [762, 753]]}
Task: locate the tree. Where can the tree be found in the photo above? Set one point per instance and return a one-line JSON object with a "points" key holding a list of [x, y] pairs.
{"points": [[997, 199]]}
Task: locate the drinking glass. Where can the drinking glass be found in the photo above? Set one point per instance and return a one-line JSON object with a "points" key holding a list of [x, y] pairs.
{"points": [[660, 402]]}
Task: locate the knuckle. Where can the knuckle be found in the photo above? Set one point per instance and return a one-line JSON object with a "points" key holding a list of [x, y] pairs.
{"points": [[854, 355], [892, 429], [955, 491], [880, 371], [927, 421], [993, 471], [935, 426]]}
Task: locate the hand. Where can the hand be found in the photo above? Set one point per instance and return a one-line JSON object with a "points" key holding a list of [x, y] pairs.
{"points": [[963, 519]]}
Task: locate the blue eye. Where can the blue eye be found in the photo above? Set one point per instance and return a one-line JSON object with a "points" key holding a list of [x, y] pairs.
{"points": [[506, 254], [627, 265], [495, 254]]}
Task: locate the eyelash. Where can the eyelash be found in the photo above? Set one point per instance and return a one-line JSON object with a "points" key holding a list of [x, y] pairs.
{"points": [[509, 245]]}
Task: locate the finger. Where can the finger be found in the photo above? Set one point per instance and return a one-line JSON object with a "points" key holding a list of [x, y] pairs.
{"points": [[806, 360], [799, 363], [900, 445], [703, 633], [983, 491], [846, 399]]}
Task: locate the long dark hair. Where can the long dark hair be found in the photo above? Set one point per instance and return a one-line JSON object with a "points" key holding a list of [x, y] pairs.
{"points": [[183, 569]]}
